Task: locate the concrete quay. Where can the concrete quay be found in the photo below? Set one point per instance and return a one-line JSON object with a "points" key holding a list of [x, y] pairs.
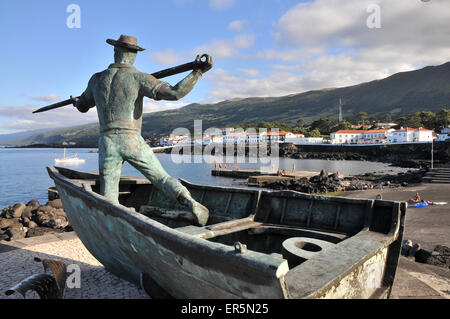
{"points": [[258, 178]]}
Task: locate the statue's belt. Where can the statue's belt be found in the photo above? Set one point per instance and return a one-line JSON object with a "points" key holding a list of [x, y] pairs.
{"points": [[120, 131]]}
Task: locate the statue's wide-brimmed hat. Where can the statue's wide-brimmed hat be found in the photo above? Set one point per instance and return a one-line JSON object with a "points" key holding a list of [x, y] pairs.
{"points": [[126, 41]]}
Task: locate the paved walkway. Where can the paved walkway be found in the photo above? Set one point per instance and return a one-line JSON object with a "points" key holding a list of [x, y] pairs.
{"points": [[17, 263]]}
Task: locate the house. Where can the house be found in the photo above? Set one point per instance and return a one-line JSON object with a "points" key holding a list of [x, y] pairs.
{"points": [[235, 138], [375, 136], [300, 139], [346, 136], [253, 138], [227, 130], [275, 137], [445, 135], [410, 135], [360, 136], [294, 138], [172, 140]]}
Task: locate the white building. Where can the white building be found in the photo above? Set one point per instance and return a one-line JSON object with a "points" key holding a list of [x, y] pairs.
{"points": [[345, 136], [410, 135], [311, 140], [235, 138], [227, 130], [360, 136], [300, 139], [375, 136], [294, 138], [445, 135], [172, 140], [275, 137], [253, 138]]}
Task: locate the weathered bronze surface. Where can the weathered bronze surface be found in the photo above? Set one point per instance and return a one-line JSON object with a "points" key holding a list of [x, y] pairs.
{"points": [[118, 94], [45, 285], [159, 75], [343, 247]]}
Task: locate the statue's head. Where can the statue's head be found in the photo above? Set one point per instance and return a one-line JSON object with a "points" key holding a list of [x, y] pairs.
{"points": [[125, 49], [124, 56]]}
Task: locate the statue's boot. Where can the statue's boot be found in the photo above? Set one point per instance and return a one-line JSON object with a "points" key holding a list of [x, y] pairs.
{"points": [[200, 212]]}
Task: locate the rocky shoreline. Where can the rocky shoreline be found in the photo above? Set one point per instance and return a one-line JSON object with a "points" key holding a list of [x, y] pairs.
{"points": [[402, 155], [332, 183], [439, 257], [32, 219], [398, 162]]}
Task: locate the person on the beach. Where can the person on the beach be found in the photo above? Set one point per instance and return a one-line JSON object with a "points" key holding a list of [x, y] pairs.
{"points": [[415, 199], [118, 93]]}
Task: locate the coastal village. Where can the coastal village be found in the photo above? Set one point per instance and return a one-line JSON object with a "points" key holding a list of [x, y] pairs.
{"points": [[384, 133]]}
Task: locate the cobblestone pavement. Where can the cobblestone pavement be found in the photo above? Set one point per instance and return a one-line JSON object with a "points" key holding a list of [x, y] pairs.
{"points": [[96, 282]]}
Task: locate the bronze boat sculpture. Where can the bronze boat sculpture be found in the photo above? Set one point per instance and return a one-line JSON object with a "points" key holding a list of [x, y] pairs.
{"points": [[257, 243]]}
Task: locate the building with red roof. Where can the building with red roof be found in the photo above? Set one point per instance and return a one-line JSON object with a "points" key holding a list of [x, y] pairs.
{"points": [[410, 135]]}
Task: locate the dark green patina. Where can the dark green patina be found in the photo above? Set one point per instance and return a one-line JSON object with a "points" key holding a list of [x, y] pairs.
{"points": [[256, 244], [118, 94]]}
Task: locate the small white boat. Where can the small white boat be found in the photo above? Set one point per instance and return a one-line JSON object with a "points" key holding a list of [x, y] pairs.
{"points": [[69, 160]]}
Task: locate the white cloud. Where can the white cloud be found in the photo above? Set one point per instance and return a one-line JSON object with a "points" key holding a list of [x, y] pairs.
{"points": [[47, 98], [289, 55], [228, 86], [326, 43], [151, 106], [237, 25], [244, 41], [169, 57], [250, 72], [219, 48], [214, 4], [329, 23], [225, 48], [221, 4], [22, 118]]}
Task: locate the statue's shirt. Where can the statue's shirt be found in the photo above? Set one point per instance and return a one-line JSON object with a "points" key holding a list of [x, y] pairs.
{"points": [[118, 93]]}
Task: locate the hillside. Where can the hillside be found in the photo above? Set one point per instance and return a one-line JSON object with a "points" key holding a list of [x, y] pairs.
{"points": [[20, 135], [427, 89]]}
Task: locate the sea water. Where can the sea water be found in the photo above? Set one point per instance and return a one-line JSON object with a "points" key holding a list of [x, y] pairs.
{"points": [[23, 174]]}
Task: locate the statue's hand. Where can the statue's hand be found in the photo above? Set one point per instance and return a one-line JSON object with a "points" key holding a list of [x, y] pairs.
{"points": [[204, 62], [80, 104], [75, 100]]}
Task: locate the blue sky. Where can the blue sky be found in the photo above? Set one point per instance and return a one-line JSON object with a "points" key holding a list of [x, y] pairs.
{"points": [[261, 47]]}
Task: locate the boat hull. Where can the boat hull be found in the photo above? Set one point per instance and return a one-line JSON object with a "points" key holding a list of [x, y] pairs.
{"points": [[129, 245], [193, 262]]}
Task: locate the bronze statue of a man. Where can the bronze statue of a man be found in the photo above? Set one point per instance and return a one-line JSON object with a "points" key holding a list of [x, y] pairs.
{"points": [[118, 93]]}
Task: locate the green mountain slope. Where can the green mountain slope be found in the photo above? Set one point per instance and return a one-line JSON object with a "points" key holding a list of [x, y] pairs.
{"points": [[427, 89]]}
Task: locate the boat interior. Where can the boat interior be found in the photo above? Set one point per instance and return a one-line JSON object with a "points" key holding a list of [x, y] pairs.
{"points": [[286, 224]]}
